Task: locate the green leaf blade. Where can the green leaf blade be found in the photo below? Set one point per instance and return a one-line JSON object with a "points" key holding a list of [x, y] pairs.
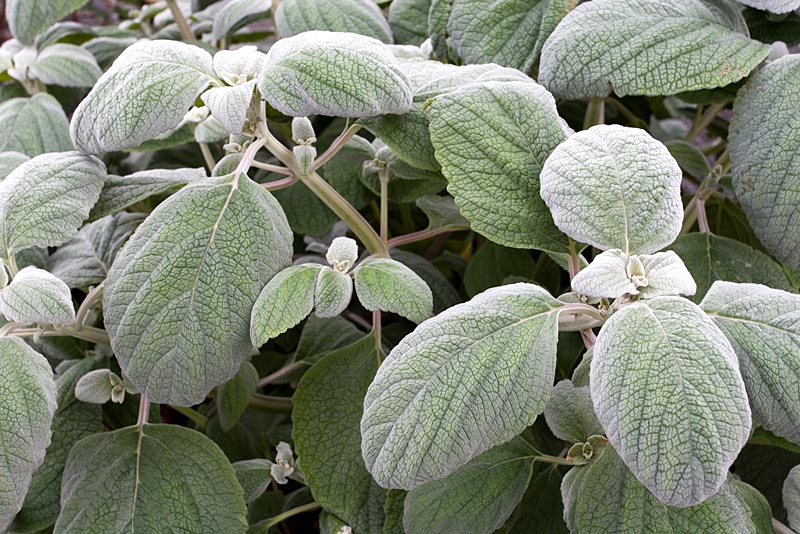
{"points": [[34, 126], [363, 17], [36, 296], [388, 285]]}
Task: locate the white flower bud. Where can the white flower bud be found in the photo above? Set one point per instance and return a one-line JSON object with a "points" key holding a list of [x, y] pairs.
{"points": [[342, 254]]}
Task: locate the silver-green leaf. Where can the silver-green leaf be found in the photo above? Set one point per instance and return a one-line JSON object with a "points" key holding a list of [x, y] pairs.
{"points": [[36, 296], [388, 285], [463, 382], [28, 19], [773, 6], [66, 65], [363, 17], [791, 497], [34, 126], [178, 298], [233, 13], [570, 413], [666, 387], [333, 293], [614, 187]]}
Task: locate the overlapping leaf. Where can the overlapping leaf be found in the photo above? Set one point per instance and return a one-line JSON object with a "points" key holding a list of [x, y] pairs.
{"points": [[363, 17], [34, 126], [36, 296]]}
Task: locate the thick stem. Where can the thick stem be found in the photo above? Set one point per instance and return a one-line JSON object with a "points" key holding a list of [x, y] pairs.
{"points": [[144, 410], [780, 528], [595, 113], [377, 326], [310, 507], [702, 218], [280, 184], [574, 262], [183, 26], [271, 168], [87, 333]]}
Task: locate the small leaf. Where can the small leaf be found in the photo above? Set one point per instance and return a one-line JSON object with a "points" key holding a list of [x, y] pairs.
{"points": [[44, 201], [34, 126], [570, 413], [614, 187], [492, 139], [333, 293], [150, 479], [84, 260], [66, 65], [286, 300], [477, 498], [28, 19], [233, 396], [254, 477], [363, 17], [388, 285], [27, 405], [178, 298], [682, 45], [96, 386], [327, 409], [36, 296], [230, 105], [764, 174], [791, 497], [473, 377], [362, 70], [689, 157], [144, 94], [342, 254], [234, 13], [763, 325], [666, 387]]}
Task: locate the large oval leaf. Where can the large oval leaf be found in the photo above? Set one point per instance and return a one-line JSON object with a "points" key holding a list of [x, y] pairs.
{"points": [[614, 187], [338, 74], [766, 175], [27, 405], [36, 296], [666, 387], [34, 126], [648, 47], [763, 325], [155, 478], [44, 201], [178, 298], [363, 17], [604, 496], [492, 139], [145, 93], [28, 19], [472, 377]]}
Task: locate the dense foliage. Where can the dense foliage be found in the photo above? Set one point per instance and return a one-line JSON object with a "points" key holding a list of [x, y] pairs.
{"points": [[312, 265]]}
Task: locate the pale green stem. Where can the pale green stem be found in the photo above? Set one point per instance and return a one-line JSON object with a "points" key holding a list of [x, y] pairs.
{"points": [[422, 235], [186, 31], [780, 528], [207, 156], [94, 296], [383, 176], [271, 168], [703, 121], [193, 415], [144, 411], [87, 333], [310, 507], [595, 113], [574, 262], [268, 403], [280, 373]]}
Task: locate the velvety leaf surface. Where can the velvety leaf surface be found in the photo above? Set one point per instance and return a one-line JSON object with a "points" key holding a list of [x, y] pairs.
{"points": [[178, 298], [332, 293], [614, 187], [570, 413], [763, 325], [464, 381], [327, 410], [162, 478], [28, 19], [540, 509], [363, 17], [408, 20], [791, 497], [233, 395], [253, 476], [34, 125], [229, 105], [234, 12], [666, 387], [774, 6], [36, 296], [648, 47], [66, 65], [477, 498], [388, 285], [492, 139], [766, 174], [10, 161]]}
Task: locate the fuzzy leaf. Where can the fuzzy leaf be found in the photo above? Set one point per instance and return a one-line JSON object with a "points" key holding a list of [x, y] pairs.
{"points": [[570, 413], [27, 405], [145, 93], [363, 17], [666, 387], [478, 498], [492, 139], [10, 161], [28, 19], [95, 386], [469, 379], [332, 293], [763, 325], [229, 105], [408, 20], [337, 74], [286, 300], [773, 6], [233, 13], [388, 285], [648, 47], [44, 201], [84, 260], [614, 187], [36, 296], [157, 479], [327, 410], [233, 396], [766, 175], [791, 497], [178, 298], [66, 65], [34, 126], [254, 477]]}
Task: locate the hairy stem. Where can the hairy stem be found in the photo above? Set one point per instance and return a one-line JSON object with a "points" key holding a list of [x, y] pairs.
{"points": [[144, 410], [383, 176], [574, 261], [595, 113], [87, 333], [268, 403], [280, 184], [422, 235], [271, 168], [94, 296], [780, 528], [337, 145]]}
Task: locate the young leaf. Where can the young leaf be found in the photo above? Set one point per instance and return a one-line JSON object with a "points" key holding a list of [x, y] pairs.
{"points": [[144, 94], [473, 377], [84, 260], [477, 498], [178, 298], [332, 293], [150, 478], [230, 104], [570, 413], [666, 387], [286, 300], [408, 20], [301, 72], [36, 296], [44, 201], [604, 496], [233, 13], [791, 497], [491, 139], [765, 175], [614, 187], [234, 395], [648, 47], [27, 405], [253, 476], [763, 325], [34, 126], [710, 258], [97, 387], [388, 285], [66, 65], [363, 17], [327, 411], [28, 19]]}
